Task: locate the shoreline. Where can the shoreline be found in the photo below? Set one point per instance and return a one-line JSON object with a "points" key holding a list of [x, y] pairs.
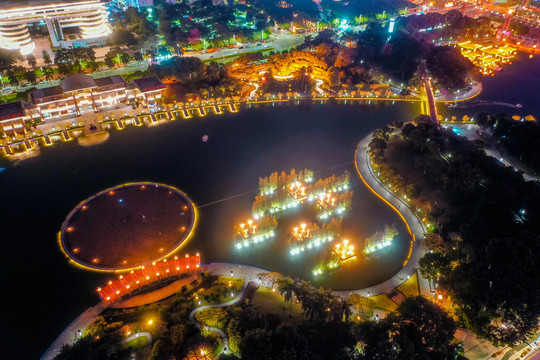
{"points": [[65, 130]]}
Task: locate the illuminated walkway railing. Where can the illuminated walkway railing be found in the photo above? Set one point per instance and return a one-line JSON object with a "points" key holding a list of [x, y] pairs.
{"points": [[126, 284]]}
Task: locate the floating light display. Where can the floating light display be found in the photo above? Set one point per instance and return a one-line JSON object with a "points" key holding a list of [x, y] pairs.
{"points": [[301, 233], [297, 190], [252, 232], [344, 250], [247, 229]]}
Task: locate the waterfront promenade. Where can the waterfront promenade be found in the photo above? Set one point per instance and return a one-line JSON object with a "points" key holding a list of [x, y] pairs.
{"points": [[68, 128], [414, 226]]}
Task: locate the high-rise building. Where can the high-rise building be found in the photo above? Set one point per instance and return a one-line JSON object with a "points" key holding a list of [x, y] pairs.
{"points": [[89, 16]]}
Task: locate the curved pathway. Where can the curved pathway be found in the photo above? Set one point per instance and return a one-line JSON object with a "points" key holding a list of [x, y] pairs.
{"points": [[221, 333], [134, 336], [156, 295], [89, 316], [414, 225]]}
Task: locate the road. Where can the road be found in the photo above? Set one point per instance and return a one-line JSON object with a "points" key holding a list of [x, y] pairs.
{"points": [[282, 41], [472, 132]]}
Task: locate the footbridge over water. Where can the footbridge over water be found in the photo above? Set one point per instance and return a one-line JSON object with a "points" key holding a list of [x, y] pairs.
{"points": [[428, 100]]}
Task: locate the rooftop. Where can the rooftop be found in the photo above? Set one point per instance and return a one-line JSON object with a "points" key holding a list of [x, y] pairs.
{"points": [[110, 80], [46, 92], [148, 84], [11, 110], [77, 82], [15, 4]]}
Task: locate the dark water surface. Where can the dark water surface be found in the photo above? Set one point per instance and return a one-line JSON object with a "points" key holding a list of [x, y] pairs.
{"points": [[43, 293]]}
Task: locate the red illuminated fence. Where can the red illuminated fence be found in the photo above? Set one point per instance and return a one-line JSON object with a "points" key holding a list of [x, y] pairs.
{"points": [[125, 284]]}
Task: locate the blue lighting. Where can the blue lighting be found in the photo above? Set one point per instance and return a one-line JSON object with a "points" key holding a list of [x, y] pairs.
{"points": [[120, 200]]}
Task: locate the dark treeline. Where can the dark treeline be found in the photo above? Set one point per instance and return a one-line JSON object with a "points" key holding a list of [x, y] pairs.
{"points": [[418, 329], [520, 138], [485, 251]]}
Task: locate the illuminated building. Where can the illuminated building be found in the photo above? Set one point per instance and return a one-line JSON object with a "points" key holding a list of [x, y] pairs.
{"points": [[12, 118], [89, 16], [148, 90], [80, 93], [76, 95]]}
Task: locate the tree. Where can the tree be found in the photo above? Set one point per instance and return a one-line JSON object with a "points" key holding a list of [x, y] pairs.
{"points": [[138, 56], [48, 73], [432, 264], [109, 62], [422, 330], [7, 59], [122, 37], [125, 58], [30, 76], [31, 60], [159, 351], [286, 288], [363, 305], [69, 60], [46, 57], [12, 78], [434, 242]]}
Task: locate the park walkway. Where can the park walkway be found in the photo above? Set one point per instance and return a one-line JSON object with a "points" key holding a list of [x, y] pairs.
{"points": [[414, 225], [154, 296], [71, 332], [84, 320], [238, 299]]}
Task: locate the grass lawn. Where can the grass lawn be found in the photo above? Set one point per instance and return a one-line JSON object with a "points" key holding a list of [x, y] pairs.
{"points": [[138, 343], [271, 302], [220, 291], [410, 287], [383, 302]]}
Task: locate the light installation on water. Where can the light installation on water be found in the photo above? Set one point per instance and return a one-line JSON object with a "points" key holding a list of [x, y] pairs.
{"points": [[252, 231], [380, 240], [297, 190], [344, 250]]}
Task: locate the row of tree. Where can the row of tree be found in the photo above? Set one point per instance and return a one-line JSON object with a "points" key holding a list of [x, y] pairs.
{"points": [[275, 181]]}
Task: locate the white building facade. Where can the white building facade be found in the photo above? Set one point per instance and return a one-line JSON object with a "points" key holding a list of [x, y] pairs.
{"points": [[90, 16]]}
